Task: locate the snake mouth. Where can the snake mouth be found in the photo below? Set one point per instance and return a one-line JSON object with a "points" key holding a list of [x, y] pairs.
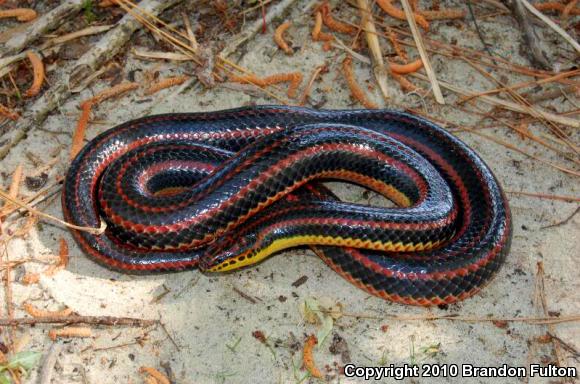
{"points": [[227, 254]]}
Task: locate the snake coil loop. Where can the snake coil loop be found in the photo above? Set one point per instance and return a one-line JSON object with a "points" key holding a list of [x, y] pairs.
{"points": [[223, 190]]}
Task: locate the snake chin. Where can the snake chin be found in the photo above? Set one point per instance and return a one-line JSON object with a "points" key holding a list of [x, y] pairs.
{"points": [[228, 254]]}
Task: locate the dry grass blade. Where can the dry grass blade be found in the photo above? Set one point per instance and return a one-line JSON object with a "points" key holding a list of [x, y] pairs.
{"points": [[507, 104], [561, 75], [75, 35], [379, 68], [514, 148], [95, 231], [568, 199], [423, 52], [522, 132], [156, 55], [180, 41], [531, 110], [551, 24]]}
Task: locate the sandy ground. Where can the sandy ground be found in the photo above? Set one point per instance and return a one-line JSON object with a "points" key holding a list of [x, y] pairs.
{"points": [[208, 325]]}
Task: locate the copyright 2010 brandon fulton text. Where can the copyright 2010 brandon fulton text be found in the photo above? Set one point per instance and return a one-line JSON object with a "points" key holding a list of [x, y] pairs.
{"points": [[400, 372]]}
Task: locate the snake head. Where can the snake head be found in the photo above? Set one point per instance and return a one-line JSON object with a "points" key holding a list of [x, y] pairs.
{"points": [[228, 253]]}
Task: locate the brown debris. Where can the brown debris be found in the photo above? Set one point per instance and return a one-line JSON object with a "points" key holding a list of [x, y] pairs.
{"points": [[166, 83], [21, 14], [402, 69], [317, 34], [8, 113], [279, 37], [37, 312], [397, 13], [159, 377], [308, 358], [333, 24], [355, 89], [38, 71], [295, 78], [70, 332]]}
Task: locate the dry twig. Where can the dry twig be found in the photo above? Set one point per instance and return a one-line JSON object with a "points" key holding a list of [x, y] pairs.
{"points": [[49, 363], [93, 320]]}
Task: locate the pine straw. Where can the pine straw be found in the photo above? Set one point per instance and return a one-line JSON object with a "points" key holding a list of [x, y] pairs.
{"points": [[180, 41], [95, 231]]}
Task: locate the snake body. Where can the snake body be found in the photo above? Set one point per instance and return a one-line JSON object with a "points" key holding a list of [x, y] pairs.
{"points": [[223, 190]]}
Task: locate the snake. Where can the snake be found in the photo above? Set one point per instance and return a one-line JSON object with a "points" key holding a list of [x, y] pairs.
{"points": [[223, 190]]}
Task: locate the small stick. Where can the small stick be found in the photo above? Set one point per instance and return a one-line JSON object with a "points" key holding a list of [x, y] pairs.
{"points": [[38, 71], [355, 89], [568, 199], [245, 295], [563, 222], [21, 14], [422, 52], [173, 56], [279, 38], [49, 363], [456, 317], [89, 31], [93, 320]]}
